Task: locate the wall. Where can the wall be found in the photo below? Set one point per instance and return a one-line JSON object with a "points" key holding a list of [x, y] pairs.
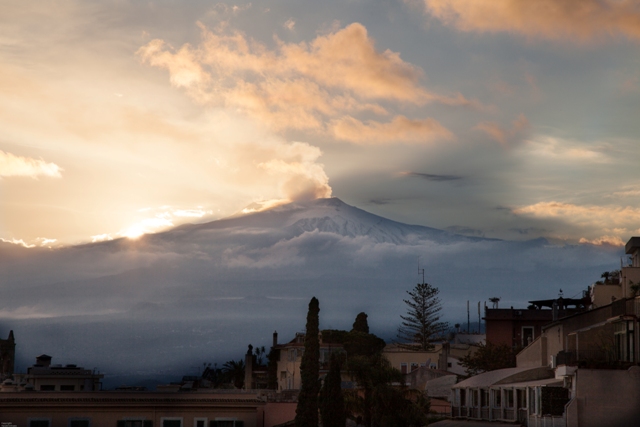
{"points": [[533, 355], [606, 398], [279, 412], [629, 275]]}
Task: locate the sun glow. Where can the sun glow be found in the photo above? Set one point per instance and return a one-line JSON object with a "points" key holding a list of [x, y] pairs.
{"points": [[134, 232]]}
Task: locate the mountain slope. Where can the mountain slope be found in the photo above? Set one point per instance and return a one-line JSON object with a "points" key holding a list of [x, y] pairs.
{"points": [[324, 215]]}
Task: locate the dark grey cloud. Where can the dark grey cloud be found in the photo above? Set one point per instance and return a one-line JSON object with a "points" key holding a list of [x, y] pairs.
{"points": [[434, 177], [529, 231], [467, 231], [380, 201]]}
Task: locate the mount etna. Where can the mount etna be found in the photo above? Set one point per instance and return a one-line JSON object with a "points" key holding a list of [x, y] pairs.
{"points": [[164, 304]]}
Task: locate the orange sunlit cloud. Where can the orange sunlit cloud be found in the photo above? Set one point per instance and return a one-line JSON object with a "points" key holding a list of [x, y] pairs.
{"points": [[504, 136], [550, 19], [301, 85], [620, 221], [399, 129]]}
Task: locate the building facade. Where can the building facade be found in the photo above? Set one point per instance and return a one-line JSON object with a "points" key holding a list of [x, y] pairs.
{"points": [[132, 409], [7, 356]]}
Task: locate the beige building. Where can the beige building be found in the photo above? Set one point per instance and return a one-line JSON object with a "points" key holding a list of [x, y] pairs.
{"points": [[291, 357], [622, 284], [406, 360], [132, 409]]}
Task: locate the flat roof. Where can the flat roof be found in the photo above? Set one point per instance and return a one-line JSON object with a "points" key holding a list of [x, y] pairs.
{"points": [[632, 245]]}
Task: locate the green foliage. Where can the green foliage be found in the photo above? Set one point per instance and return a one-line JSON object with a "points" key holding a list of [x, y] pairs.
{"points": [[635, 288], [259, 353], [488, 358], [361, 324], [307, 409], [334, 336], [332, 409], [272, 369], [214, 375], [362, 344], [421, 326], [383, 400], [233, 372]]}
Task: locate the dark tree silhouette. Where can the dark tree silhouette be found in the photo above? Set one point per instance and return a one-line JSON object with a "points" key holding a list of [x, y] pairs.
{"points": [[488, 358], [361, 324], [421, 326], [307, 409], [332, 408], [380, 401], [233, 372]]}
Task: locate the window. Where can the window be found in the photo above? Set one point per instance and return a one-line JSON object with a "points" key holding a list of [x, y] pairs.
{"points": [[79, 422], [39, 422], [528, 335], [199, 422], [403, 368], [47, 387], [497, 398], [171, 422], [135, 423], [414, 366], [522, 399], [473, 398], [624, 341], [508, 398], [226, 422], [283, 375], [67, 388], [293, 354], [484, 402]]}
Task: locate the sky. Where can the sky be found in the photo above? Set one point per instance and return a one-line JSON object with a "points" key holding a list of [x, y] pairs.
{"points": [[499, 118]]}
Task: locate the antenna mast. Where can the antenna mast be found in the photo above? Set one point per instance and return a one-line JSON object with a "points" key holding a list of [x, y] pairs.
{"points": [[420, 271]]}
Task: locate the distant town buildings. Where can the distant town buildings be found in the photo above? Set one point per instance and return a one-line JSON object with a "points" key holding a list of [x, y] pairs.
{"points": [[580, 370]]}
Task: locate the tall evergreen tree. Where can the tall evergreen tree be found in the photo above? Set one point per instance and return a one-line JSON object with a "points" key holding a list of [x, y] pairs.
{"points": [[421, 326], [307, 409], [332, 409]]}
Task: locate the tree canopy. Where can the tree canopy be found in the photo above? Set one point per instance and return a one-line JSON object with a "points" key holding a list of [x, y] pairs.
{"points": [[421, 326], [489, 357], [361, 324]]}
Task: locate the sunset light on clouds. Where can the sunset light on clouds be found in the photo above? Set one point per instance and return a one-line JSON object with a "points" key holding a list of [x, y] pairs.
{"points": [[121, 118]]}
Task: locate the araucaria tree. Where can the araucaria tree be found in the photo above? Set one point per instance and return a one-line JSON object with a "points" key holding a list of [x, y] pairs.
{"points": [[307, 409], [421, 326]]}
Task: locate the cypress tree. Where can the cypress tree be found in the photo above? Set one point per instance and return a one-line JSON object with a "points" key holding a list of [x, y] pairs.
{"points": [[332, 407], [307, 409]]}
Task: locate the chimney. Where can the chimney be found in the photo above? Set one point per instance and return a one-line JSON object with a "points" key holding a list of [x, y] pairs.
{"points": [[275, 338], [43, 360]]}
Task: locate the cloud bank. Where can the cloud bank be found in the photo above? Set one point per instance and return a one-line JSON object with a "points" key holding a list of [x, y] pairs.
{"points": [[580, 20]]}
